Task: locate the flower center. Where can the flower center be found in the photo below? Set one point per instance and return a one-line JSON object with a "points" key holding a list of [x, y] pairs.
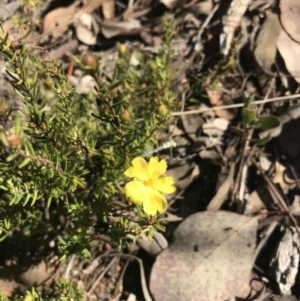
{"points": [[148, 182]]}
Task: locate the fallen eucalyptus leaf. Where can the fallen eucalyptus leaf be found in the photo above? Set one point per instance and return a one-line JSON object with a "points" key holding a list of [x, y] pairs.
{"points": [[59, 17], [265, 49], [210, 258]]}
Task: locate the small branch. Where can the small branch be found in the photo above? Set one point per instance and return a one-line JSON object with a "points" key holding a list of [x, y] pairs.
{"points": [[238, 105]]}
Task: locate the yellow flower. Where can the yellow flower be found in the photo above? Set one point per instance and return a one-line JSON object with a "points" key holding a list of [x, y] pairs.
{"points": [[28, 298], [149, 184]]}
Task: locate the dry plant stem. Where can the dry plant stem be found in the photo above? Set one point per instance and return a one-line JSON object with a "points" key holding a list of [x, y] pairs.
{"points": [[43, 49], [206, 22], [69, 267], [243, 181], [271, 185], [143, 278], [237, 105], [119, 286], [243, 170], [101, 276], [117, 298]]}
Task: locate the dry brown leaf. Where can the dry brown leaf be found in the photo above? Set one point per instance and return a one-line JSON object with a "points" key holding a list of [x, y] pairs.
{"points": [[87, 29], [202, 8], [8, 25], [290, 51], [116, 28], [215, 98], [170, 3], [254, 203], [8, 286], [16, 276], [108, 9], [183, 173], [295, 207], [290, 18], [281, 177], [218, 200], [265, 50], [86, 84], [216, 127], [59, 17], [210, 154], [191, 124], [91, 6]]}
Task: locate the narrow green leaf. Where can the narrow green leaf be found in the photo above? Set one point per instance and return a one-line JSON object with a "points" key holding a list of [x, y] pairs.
{"points": [[63, 258], [18, 125], [238, 131], [24, 162], [49, 201], [28, 196], [34, 197], [86, 254], [3, 237], [62, 241], [12, 157]]}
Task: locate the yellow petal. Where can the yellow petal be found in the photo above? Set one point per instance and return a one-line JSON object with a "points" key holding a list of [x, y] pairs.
{"points": [[135, 191], [156, 168], [165, 184], [138, 169], [155, 202]]}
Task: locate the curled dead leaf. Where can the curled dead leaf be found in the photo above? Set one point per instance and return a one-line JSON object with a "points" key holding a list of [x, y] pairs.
{"points": [[110, 30], [58, 17], [87, 29], [289, 50], [265, 49]]}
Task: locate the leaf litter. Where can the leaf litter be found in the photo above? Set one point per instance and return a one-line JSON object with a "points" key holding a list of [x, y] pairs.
{"points": [[219, 238]]}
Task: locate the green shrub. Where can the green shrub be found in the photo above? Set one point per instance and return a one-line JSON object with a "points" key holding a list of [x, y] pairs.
{"points": [[63, 155]]}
